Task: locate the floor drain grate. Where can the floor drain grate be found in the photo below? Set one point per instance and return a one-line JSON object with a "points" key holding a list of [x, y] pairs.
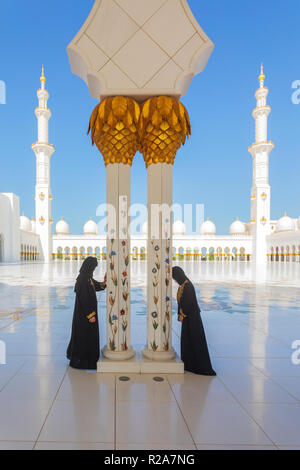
{"points": [[124, 379], [158, 379]]}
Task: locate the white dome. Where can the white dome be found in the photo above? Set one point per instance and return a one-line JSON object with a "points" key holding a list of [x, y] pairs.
{"points": [[208, 228], [237, 228], [90, 228], [62, 228], [33, 226], [145, 228], [285, 224], [25, 223], [179, 228]]}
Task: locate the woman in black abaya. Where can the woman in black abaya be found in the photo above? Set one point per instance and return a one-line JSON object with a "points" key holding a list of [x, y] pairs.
{"points": [[84, 348], [194, 350]]}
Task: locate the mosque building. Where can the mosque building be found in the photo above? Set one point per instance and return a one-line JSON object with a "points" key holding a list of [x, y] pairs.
{"points": [[260, 238]]}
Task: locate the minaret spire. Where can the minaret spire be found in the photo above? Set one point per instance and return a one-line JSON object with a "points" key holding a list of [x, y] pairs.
{"points": [[43, 151], [43, 78], [261, 191], [262, 76]]}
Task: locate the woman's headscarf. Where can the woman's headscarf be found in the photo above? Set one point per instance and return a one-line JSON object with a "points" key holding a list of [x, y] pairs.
{"points": [[179, 275], [87, 269]]}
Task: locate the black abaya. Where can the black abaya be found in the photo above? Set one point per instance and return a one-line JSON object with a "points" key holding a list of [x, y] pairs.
{"points": [[84, 348], [194, 350]]}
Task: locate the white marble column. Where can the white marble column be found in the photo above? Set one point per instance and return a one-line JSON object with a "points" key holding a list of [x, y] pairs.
{"points": [[118, 345], [159, 263]]}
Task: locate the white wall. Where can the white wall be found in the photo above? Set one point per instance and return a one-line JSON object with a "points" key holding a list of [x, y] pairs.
{"points": [[10, 227]]}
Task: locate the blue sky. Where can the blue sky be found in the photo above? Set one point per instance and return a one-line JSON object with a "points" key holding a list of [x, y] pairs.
{"points": [[214, 168]]}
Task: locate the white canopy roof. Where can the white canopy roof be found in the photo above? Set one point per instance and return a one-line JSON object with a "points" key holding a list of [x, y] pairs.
{"points": [[139, 48]]}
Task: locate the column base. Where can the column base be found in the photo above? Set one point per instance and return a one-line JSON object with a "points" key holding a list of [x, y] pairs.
{"points": [[140, 365], [159, 356], [118, 356]]}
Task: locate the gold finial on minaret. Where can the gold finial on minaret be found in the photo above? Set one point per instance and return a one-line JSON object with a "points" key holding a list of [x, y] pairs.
{"points": [[43, 78], [262, 76]]}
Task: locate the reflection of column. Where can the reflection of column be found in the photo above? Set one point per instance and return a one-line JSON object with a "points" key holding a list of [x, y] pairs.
{"points": [[43, 318], [113, 128], [163, 128], [259, 323]]}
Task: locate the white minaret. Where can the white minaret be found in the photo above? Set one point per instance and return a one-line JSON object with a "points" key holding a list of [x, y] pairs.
{"points": [[43, 151], [261, 191]]}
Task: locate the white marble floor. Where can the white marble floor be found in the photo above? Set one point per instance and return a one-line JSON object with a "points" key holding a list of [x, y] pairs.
{"points": [[253, 403]]}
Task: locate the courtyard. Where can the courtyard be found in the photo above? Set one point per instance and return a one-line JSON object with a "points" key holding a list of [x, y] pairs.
{"points": [[253, 403]]}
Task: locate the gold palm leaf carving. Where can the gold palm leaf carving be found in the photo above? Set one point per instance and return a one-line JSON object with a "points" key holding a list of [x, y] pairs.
{"points": [[163, 127], [113, 127]]}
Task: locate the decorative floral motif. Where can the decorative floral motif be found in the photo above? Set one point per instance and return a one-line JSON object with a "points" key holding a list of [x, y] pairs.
{"points": [[167, 316], [124, 312], [112, 319], [161, 317], [118, 320], [155, 281]]}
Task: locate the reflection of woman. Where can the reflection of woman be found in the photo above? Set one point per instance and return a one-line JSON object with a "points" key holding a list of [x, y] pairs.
{"points": [[194, 350], [84, 348]]}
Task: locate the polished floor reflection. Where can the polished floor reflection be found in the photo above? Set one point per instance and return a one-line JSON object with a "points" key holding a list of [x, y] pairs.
{"points": [[253, 403]]}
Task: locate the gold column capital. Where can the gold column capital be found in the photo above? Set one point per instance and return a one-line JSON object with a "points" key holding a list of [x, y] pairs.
{"points": [[114, 129], [164, 125]]}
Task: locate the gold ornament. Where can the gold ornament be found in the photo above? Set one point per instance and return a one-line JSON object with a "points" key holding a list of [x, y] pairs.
{"points": [[163, 127], [262, 76], [43, 78], [113, 127]]}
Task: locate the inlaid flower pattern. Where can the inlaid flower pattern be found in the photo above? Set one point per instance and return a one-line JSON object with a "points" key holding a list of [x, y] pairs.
{"points": [[155, 281], [124, 312], [112, 319], [167, 315]]}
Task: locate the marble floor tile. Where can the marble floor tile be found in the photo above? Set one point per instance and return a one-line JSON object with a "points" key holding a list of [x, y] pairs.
{"points": [[21, 420], [44, 365], [253, 389], [199, 390], [79, 421], [234, 367], [231, 447], [145, 422], [73, 446], [279, 421], [277, 367], [11, 445], [32, 387], [161, 446], [290, 384], [221, 423], [97, 388]]}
